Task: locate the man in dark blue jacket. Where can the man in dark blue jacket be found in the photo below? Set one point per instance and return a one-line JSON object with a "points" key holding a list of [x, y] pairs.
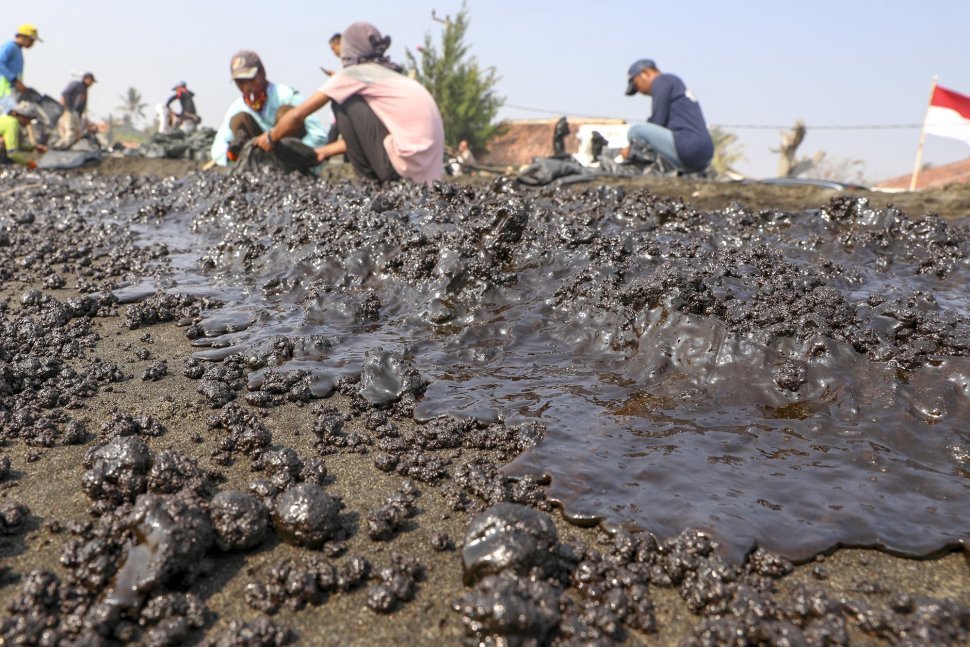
{"points": [[676, 127]]}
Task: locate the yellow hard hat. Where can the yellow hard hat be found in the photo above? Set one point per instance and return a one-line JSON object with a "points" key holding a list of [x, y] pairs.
{"points": [[27, 29]]}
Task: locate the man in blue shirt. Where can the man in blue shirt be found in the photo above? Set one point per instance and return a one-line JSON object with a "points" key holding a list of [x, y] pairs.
{"points": [[12, 65], [676, 127], [258, 109]]}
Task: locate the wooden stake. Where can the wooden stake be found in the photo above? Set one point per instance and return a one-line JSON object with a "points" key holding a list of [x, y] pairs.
{"points": [[922, 137], [790, 141]]}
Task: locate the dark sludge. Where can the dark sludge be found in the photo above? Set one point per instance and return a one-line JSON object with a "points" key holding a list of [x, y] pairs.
{"points": [[745, 389], [791, 381]]}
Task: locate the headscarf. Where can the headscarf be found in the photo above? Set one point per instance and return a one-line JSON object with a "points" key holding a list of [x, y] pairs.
{"points": [[363, 43]]}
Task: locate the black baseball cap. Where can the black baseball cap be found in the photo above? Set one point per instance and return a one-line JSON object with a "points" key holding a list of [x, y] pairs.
{"points": [[636, 68]]}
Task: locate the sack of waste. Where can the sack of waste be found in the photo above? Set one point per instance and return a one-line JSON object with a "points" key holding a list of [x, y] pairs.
{"points": [[180, 145], [56, 160]]}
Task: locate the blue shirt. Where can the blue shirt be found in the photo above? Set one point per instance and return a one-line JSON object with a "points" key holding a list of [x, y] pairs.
{"points": [[675, 108], [76, 96], [276, 96], [11, 61]]}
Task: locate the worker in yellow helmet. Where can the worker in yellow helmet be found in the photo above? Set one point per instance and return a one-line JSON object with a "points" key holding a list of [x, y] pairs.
{"points": [[12, 65]]}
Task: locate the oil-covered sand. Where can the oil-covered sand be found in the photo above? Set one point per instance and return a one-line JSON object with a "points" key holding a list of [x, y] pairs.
{"points": [[163, 497]]}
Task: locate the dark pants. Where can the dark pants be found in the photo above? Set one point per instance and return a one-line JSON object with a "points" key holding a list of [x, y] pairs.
{"points": [[290, 153], [333, 134], [364, 133], [245, 122]]}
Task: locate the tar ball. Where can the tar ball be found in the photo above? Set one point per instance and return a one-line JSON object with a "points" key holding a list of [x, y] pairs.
{"points": [[118, 471], [306, 516], [508, 536], [241, 521]]}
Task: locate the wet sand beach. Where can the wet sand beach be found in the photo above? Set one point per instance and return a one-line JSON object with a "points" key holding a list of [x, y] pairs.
{"points": [[92, 376]]}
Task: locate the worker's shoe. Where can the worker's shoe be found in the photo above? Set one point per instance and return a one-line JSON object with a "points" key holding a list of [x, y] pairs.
{"points": [[643, 155], [239, 139]]}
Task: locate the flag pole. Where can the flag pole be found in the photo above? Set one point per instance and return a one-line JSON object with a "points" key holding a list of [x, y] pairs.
{"points": [[922, 137]]}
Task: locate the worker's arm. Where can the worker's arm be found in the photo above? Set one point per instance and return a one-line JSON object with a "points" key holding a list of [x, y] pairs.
{"points": [[327, 151], [289, 122], [5, 61], [168, 104], [661, 93]]}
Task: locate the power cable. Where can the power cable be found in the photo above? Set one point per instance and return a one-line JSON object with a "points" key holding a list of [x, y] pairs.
{"points": [[734, 126]]}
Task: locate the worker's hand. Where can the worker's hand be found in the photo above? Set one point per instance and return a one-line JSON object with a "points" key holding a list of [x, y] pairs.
{"points": [[40, 148], [327, 151], [264, 142], [19, 85]]}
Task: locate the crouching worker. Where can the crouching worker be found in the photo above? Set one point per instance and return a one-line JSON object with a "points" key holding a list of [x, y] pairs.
{"points": [[262, 105], [389, 124], [13, 144], [676, 128]]}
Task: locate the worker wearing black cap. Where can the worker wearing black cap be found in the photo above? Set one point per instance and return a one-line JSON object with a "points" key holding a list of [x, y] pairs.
{"points": [[71, 124], [75, 95], [676, 128]]}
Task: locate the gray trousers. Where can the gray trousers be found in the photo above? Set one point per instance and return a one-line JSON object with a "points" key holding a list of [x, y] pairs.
{"points": [[364, 133]]}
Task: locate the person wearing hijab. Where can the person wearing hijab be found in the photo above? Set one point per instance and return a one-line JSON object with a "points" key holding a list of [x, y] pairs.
{"points": [[389, 124]]}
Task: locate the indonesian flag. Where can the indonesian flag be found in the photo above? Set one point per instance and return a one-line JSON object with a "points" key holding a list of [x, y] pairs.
{"points": [[948, 115]]}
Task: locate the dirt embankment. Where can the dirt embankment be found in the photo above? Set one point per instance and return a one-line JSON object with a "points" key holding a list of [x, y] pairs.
{"points": [[949, 202]]}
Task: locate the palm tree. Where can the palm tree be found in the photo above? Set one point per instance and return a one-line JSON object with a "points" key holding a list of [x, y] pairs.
{"points": [[727, 151], [132, 106], [112, 123]]}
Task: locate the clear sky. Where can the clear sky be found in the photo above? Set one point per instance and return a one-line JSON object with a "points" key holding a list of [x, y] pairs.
{"points": [[749, 62]]}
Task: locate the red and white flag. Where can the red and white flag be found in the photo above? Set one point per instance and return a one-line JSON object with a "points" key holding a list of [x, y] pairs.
{"points": [[948, 115]]}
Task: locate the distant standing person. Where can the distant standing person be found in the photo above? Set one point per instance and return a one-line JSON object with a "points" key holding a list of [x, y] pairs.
{"points": [[334, 43], [333, 134], [262, 105], [676, 128], [185, 97], [465, 154], [390, 126], [12, 65], [463, 159], [74, 99]]}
